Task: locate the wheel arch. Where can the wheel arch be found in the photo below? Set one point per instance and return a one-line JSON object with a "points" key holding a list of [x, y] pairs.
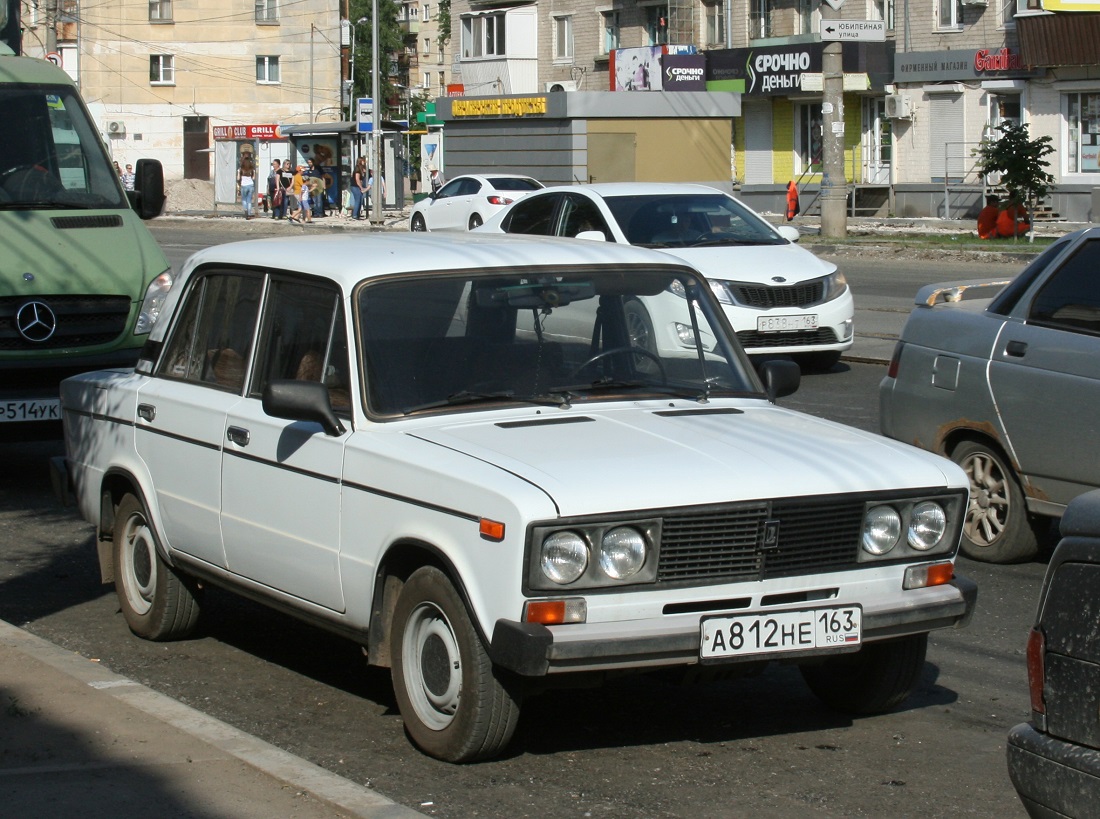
{"points": [[400, 560], [116, 484]]}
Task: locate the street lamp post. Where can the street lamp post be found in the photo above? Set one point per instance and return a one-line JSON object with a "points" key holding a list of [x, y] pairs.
{"points": [[375, 132]]}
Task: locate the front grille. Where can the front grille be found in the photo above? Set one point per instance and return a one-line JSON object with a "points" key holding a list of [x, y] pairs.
{"points": [[726, 545], [798, 338], [82, 321], [764, 297]]}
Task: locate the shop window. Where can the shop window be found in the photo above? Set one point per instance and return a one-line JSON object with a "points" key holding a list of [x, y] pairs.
{"points": [[809, 125], [1083, 132]]}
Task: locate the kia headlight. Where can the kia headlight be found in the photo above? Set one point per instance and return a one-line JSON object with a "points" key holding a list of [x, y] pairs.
{"points": [[835, 286]]}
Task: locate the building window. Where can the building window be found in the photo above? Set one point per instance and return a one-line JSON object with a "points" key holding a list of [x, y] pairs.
{"points": [[162, 69], [425, 14], [716, 23], [883, 10], [610, 40], [950, 14], [808, 137], [267, 70], [426, 79], [160, 10], [563, 37], [482, 36], [809, 15], [656, 27], [1083, 136], [267, 11], [427, 46], [760, 19]]}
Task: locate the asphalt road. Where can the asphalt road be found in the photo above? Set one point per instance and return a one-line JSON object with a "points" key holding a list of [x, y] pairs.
{"points": [[639, 746]]}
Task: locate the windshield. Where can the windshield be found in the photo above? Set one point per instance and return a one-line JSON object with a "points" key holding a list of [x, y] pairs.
{"points": [[689, 220], [547, 337], [54, 158]]}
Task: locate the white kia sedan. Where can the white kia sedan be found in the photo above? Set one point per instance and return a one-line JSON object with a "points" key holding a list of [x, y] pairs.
{"points": [[780, 298], [468, 201], [449, 450]]}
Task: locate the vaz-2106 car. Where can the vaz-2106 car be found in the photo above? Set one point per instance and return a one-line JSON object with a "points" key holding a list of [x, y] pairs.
{"points": [[451, 451]]}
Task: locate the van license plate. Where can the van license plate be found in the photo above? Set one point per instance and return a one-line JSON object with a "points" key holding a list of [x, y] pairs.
{"points": [[781, 631], [15, 411]]}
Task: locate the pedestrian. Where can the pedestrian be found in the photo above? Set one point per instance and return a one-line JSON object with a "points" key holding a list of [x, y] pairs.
{"points": [[294, 200], [318, 200], [118, 170], [128, 178], [436, 179], [246, 182], [305, 210], [358, 188], [286, 178], [369, 195], [275, 190]]}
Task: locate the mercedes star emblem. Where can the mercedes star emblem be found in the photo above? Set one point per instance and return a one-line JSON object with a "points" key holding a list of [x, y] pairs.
{"points": [[35, 321]]}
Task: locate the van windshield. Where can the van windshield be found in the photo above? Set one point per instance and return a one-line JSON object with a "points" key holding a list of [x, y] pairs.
{"points": [[55, 158]]}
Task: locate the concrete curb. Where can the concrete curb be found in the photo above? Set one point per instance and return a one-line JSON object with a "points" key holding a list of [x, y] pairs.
{"points": [[341, 794]]}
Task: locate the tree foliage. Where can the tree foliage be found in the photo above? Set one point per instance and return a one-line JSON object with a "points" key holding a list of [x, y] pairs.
{"points": [[1020, 162], [391, 40], [443, 21]]}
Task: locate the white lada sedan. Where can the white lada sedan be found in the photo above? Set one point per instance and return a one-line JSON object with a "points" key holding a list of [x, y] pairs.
{"points": [[449, 450]]}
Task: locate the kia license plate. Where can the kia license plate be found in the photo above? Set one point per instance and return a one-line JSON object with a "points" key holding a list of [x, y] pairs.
{"points": [[786, 324]]}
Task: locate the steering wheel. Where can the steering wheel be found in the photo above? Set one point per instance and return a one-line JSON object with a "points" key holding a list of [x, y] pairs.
{"points": [[33, 175], [629, 348]]}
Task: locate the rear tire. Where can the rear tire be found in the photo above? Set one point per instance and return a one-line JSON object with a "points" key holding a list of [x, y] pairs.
{"points": [[418, 225], [997, 528], [876, 679], [475, 221], [157, 602], [456, 705]]}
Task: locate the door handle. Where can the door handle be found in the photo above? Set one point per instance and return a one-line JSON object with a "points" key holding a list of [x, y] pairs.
{"points": [[147, 411], [1016, 349], [237, 435]]}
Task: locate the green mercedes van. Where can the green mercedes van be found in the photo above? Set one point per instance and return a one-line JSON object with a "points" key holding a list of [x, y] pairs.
{"points": [[81, 278]]}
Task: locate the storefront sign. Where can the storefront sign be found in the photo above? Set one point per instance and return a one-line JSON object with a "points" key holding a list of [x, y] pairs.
{"points": [[247, 132], [510, 107], [962, 64], [684, 73], [765, 71]]}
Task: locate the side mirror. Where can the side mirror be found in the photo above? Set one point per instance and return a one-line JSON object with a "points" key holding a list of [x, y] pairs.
{"points": [[147, 197], [591, 235], [301, 401], [780, 377], [789, 232]]}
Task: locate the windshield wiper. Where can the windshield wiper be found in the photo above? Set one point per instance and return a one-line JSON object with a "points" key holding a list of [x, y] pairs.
{"points": [[614, 384], [51, 204], [469, 397]]}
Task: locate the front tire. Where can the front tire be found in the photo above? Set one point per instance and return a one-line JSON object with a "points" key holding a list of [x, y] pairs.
{"points": [[997, 528], [157, 602], [876, 679], [418, 225], [455, 703]]}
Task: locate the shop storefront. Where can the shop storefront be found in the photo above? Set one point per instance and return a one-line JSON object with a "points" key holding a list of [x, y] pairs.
{"points": [[779, 135]]}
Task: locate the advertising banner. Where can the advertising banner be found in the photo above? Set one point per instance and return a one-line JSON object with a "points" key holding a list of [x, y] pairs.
{"points": [[684, 73]]}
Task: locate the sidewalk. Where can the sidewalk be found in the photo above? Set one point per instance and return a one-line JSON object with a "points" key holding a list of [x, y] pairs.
{"points": [[77, 739]]}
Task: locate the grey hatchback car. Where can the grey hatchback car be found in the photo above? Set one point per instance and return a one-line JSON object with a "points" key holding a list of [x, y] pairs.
{"points": [[1003, 377]]}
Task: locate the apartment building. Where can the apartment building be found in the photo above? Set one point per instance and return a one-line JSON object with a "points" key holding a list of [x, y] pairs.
{"points": [[166, 80]]}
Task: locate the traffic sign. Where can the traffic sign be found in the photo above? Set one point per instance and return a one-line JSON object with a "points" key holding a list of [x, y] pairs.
{"points": [[366, 111], [863, 30], [54, 58]]}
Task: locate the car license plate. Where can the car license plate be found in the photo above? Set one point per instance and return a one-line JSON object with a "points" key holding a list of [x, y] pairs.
{"points": [[781, 324], [781, 631], [48, 410]]}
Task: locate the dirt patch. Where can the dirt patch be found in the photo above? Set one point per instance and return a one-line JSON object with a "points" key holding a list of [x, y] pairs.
{"points": [[189, 195]]}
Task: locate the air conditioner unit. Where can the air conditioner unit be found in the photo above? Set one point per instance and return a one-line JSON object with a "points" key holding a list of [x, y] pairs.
{"points": [[116, 127], [899, 106], [561, 85]]}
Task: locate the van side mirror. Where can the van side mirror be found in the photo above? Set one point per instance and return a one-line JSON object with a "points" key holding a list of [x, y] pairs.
{"points": [[147, 197]]}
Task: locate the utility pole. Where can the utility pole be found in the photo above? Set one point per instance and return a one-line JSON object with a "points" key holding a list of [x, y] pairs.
{"points": [[375, 120], [834, 188]]}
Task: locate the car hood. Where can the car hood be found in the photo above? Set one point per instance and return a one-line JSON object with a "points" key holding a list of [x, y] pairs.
{"points": [[63, 252], [755, 263], [636, 458]]}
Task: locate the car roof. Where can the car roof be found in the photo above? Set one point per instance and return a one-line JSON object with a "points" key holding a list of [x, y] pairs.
{"points": [[348, 260], [491, 176]]}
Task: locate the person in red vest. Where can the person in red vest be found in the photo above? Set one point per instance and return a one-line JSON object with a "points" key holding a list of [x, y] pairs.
{"points": [[987, 219], [792, 201], [1012, 221]]}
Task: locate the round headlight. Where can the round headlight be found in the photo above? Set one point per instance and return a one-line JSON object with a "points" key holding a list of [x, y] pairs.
{"points": [[926, 525], [564, 557], [881, 530], [622, 552]]}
